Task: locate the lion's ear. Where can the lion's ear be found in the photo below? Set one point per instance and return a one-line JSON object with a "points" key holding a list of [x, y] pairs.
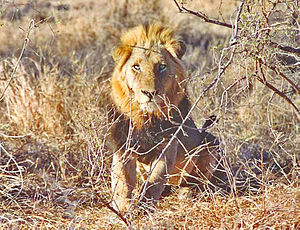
{"points": [[119, 52], [179, 48]]}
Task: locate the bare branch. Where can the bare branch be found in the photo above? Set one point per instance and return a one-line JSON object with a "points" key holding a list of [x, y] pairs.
{"points": [[25, 44], [183, 9], [278, 92], [285, 48], [281, 75], [177, 5], [206, 19]]}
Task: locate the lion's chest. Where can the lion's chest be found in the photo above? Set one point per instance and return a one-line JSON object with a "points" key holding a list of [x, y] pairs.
{"points": [[146, 143], [150, 141]]}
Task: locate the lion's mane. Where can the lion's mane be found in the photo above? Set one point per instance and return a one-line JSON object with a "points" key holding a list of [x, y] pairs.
{"points": [[145, 37]]}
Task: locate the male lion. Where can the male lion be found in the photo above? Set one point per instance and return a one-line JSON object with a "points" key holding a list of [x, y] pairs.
{"points": [[151, 103]]}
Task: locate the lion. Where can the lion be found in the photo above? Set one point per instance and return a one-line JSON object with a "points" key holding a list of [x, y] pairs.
{"points": [[151, 103]]}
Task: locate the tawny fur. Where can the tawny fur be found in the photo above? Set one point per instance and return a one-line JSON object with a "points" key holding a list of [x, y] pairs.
{"points": [[150, 103], [147, 38]]}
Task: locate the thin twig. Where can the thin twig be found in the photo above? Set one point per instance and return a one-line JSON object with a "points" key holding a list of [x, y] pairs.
{"points": [[8, 136], [25, 44], [18, 167], [234, 39], [107, 205]]}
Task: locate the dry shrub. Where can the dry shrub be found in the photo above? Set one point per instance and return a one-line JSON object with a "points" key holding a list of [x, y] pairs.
{"points": [[36, 106], [63, 159], [249, 107], [43, 99], [267, 111]]}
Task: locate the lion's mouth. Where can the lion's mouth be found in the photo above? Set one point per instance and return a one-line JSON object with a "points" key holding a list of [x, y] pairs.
{"points": [[149, 107]]}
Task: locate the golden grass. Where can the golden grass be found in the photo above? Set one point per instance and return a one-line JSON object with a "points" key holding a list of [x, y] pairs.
{"points": [[36, 105], [54, 149], [280, 211]]}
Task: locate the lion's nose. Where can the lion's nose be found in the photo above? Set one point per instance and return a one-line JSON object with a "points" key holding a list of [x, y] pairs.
{"points": [[149, 94]]}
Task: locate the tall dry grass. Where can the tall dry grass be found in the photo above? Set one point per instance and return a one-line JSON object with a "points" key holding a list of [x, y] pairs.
{"points": [[54, 146]]}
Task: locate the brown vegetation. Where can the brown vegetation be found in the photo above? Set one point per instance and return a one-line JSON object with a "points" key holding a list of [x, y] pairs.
{"points": [[54, 150]]}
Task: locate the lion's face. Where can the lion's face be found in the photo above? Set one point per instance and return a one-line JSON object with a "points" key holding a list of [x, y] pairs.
{"points": [[148, 77]]}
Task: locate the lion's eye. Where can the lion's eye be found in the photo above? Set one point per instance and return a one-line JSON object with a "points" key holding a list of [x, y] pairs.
{"points": [[136, 68], [162, 68]]}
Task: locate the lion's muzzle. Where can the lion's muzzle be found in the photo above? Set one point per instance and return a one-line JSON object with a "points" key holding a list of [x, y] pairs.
{"points": [[149, 94]]}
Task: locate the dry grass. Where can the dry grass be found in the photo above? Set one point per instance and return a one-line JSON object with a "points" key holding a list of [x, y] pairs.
{"points": [[54, 151]]}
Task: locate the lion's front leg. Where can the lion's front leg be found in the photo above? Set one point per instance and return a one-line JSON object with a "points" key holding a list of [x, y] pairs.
{"points": [[208, 159], [122, 181], [159, 173]]}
